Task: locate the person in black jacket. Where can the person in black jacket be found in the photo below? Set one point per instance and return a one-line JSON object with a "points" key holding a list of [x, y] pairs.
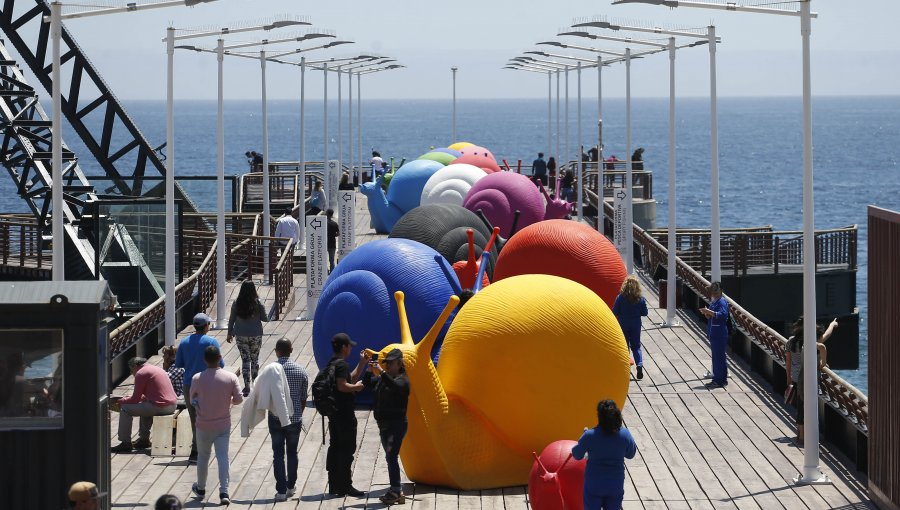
{"points": [[390, 386], [333, 233]]}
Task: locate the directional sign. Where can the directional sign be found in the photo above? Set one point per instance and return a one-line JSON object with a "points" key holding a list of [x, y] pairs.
{"points": [[620, 222], [332, 179], [347, 221], [316, 262]]}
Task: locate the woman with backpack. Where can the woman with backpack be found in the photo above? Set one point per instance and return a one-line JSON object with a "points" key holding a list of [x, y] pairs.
{"points": [[390, 387], [717, 332], [629, 307], [793, 360], [245, 323], [607, 446]]}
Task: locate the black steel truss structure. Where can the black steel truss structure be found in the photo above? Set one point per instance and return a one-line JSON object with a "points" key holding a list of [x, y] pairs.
{"points": [[118, 140]]}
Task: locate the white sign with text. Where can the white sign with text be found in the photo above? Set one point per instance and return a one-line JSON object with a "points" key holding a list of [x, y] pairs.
{"points": [[347, 221], [620, 222], [316, 262], [332, 180]]}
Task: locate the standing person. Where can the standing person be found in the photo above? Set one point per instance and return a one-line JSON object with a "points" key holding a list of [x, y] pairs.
{"points": [[390, 386], [318, 202], [342, 425], [594, 153], [332, 232], [153, 396], [190, 358], [637, 159], [286, 439], [377, 164], [84, 496], [794, 361], [345, 183], [213, 391], [717, 332], [551, 170], [539, 170], [566, 190], [607, 446], [288, 226], [258, 161], [629, 307], [245, 323]]}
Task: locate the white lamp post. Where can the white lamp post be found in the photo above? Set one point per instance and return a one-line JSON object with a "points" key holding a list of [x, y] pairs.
{"points": [[811, 472], [453, 131]]}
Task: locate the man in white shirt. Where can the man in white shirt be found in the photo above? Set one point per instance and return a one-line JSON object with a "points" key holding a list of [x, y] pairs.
{"points": [[288, 226], [376, 163]]}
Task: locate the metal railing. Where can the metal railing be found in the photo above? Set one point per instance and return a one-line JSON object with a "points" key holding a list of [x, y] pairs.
{"points": [[148, 319], [744, 249], [20, 243], [284, 183], [834, 391]]}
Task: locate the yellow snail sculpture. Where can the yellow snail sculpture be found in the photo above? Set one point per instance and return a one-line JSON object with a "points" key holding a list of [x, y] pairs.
{"points": [[524, 364]]}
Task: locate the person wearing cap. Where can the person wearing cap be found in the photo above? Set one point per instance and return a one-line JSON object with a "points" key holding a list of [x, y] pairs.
{"points": [[213, 391], [84, 496], [390, 386], [153, 396], [342, 424], [190, 357]]}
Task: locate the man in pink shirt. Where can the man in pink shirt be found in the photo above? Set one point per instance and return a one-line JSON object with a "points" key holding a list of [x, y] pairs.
{"points": [[213, 391], [153, 396]]}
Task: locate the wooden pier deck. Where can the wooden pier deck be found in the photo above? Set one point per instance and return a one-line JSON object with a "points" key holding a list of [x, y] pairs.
{"points": [[697, 448]]}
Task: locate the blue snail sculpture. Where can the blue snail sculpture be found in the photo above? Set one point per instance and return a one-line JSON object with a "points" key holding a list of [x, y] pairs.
{"points": [[404, 194]]}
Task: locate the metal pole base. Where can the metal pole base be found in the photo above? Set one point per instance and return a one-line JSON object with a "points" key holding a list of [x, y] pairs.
{"points": [[303, 317], [221, 323], [818, 478], [674, 324]]}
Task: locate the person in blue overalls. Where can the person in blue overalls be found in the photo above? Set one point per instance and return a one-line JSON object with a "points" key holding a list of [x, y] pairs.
{"points": [[607, 446], [717, 331], [629, 307]]}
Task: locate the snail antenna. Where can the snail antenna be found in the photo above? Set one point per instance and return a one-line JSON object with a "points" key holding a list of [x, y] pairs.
{"points": [[405, 335], [479, 278], [557, 185], [470, 234], [494, 235], [484, 219], [538, 460], [505, 164], [544, 191], [451, 277], [424, 347], [515, 223]]}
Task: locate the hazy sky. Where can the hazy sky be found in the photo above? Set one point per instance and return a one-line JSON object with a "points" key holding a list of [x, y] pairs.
{"points": [[854, 48]]}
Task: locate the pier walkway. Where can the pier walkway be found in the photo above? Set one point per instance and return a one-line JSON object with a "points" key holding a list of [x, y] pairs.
{"points": [[697, 448]]}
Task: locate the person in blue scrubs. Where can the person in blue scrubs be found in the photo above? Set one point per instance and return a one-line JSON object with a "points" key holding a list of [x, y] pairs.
{"points": [[717, 332], [607, 446], [629, 307]]}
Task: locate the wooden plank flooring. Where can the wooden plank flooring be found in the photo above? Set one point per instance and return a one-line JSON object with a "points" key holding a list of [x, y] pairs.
{"points": [[697, 449]]}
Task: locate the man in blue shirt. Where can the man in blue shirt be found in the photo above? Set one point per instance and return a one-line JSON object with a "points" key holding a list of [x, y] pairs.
{"points": [[288, 438], [539, 170], [190, 357]]}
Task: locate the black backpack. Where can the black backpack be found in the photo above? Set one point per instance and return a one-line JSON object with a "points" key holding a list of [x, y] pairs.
{"points": [[324, 388]]}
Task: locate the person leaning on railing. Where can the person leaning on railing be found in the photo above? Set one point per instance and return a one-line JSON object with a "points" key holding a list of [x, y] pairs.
{"points": [[793, 358]]}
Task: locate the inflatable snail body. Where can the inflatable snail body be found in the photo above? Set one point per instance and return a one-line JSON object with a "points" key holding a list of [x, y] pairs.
{"points": [[403, 195], [567, 249], [443, 228], [472, 426], [450, 184], [500, 194], [441, 157], [478, 156], [458, 146], [358, 296]]}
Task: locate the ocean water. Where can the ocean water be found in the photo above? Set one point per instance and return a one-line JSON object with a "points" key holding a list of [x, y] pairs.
{"points": [[856, 151]]}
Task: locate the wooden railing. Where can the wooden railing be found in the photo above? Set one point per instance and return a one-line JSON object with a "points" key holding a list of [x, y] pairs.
{"points": [[283, 276], [148, 319], [235, 223], [743, 249], [834, 391], [20, 243]]}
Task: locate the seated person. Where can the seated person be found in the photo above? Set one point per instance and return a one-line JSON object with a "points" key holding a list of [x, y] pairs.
{"points": [[176, 375], [153, 396]]}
